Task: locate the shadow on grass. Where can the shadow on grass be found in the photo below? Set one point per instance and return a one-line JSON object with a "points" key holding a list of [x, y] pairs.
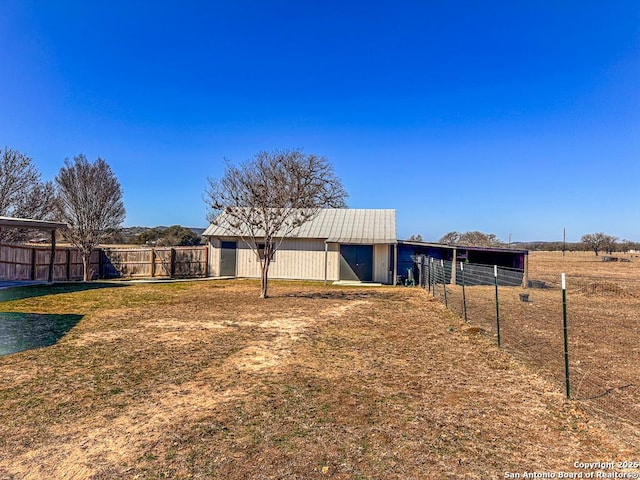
{"points": [[24, 331], [18, 293]]}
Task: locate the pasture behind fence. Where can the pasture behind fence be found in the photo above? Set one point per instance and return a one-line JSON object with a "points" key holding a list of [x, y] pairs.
{"points": [[27, 262], [599, 366]]}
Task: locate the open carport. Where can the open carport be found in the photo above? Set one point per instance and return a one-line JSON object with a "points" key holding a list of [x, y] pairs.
{"points": [[31, 224]]}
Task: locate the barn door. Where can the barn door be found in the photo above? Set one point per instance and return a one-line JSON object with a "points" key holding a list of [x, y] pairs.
{"points": [[228, 259], [356, 262]]}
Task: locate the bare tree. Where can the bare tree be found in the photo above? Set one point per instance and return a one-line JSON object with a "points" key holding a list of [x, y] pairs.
{"points": [[599, 241], [479, 239], [264, 199], [475, 238], [611, 244], [415, 238], [450, 238], [89, 200], [22, 193]]}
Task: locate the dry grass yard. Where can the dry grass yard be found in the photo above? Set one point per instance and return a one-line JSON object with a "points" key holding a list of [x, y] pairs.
{"points": [[204, 380]]}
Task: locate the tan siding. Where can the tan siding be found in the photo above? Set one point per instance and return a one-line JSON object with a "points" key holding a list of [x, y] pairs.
{"points": [[333, 262], [381, 263], [295, 259], [246, 261], [214, 257], [299, 259]]}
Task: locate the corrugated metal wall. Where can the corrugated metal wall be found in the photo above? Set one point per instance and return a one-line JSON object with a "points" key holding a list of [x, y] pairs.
{"points": [[295, 259]]}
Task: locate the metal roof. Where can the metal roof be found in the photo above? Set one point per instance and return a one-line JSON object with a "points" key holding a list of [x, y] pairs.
{"points": [[461, 247], [29, 223], [335, 225]]}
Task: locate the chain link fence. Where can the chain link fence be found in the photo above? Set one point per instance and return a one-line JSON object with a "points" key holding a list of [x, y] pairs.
{"points": [[600, 366]]}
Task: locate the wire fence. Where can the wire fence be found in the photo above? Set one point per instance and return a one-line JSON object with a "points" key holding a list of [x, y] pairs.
{"points": [[584, 337]]}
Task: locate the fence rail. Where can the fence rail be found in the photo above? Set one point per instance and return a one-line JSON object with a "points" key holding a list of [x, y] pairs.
{"points": [[22, 262], [601, 366]]}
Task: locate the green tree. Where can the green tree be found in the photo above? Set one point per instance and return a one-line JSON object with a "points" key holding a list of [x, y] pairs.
{"points": [[177, 235], [150, 236]]}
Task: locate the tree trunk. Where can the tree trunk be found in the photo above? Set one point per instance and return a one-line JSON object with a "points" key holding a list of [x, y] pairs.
{"points": [[264, 279], [86, 256]]}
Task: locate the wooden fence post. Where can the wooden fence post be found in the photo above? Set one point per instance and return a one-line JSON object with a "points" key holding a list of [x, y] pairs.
{"points": [[33, 263], [153, 263], [52, 260], [68, 264], [100, 263], [173, 263]]}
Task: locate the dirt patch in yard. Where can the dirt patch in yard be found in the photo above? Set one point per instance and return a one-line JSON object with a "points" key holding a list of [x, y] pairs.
{"points": [[198, 381]]}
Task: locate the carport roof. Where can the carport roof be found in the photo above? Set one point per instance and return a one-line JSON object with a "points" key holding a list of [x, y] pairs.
{"points": [[29, 223], [336, 225]]}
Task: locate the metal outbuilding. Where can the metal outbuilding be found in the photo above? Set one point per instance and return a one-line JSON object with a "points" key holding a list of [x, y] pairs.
{"points": [[336, 244]]}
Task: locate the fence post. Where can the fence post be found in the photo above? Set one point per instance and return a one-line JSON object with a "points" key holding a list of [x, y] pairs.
{"points": [[173, 262], [52, 259], [101, 255], [444, 283], [153, 263], [68, 265], [495, 277], [464, 297], [566, 337], [428, 267], [434, 278], [33, 263]]}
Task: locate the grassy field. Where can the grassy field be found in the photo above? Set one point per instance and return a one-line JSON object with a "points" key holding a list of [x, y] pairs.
{"points": [[204, 380]]}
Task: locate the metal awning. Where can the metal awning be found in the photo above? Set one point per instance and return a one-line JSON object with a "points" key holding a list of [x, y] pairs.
{"points": [[12, 222]]}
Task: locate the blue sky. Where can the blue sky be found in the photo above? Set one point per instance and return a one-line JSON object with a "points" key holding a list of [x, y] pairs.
{"points": [[509, 117]]}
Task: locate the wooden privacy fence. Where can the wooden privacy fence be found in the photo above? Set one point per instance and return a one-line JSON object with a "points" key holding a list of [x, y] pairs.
{"points": [[167, 262], [22, 262]]}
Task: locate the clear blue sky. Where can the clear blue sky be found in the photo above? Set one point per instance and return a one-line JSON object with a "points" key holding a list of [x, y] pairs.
{"points": [[509, 117]]}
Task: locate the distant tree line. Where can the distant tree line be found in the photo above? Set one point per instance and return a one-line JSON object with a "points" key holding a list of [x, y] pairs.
{"points": [[597, 242]]}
